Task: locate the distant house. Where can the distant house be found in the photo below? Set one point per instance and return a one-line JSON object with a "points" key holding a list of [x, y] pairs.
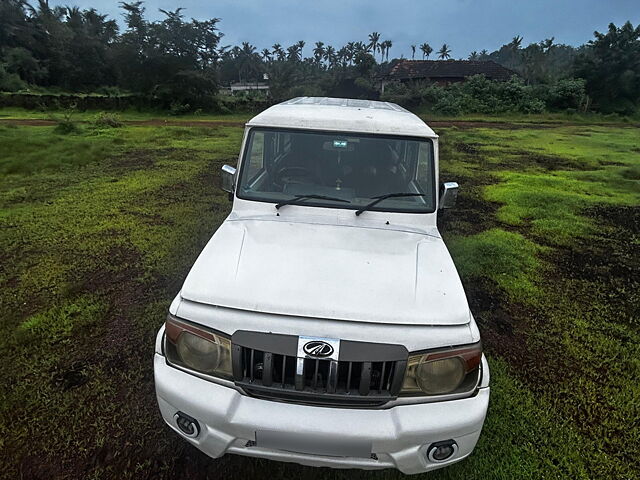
{"points": [[243, 87], [444, 72]]}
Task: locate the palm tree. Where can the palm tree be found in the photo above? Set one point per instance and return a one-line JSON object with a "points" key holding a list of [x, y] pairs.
{"points": [[300, 45], [426, 50], [387, 44], [247, 60], [516, 42], [473, 55], [266, 54], [413, 52], [293, 53], [547, 44], [343, 56], [330, 55], [351, 49], [374, 39], [318, 52], [278, 51], [445, 52]]}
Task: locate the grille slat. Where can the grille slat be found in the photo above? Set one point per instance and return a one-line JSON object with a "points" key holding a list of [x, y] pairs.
{"points": [[381, 383], [251, 365], [351, 382], [365, 379], [267, 369], [284, 366]]}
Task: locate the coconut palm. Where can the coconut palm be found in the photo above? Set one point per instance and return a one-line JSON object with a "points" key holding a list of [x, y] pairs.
{"points": [[516, 42], [300, 45], [278, 52], [547, 44], [293, 53], [318, 52], [374, 40], [473, 55], [266, 54], [343, 56], [413, 52], [247, 59], [330, 55], [445, 52], [387, 44], [426, 50]]}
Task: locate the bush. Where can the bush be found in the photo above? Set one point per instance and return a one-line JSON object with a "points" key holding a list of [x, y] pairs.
{"points": [[185, 91], [10, 82], [107, 120], [568, 93], [65, 124], [480, 95]]}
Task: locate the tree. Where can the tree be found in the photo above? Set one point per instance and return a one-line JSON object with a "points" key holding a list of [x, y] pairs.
{"points": [[278, 51], [386, 45], [413, 52], [330, 56], [266, 55], [426, 50], [610, 64], [248, 61], [318, 52], [374, 39], [474, 55], [516, 42], [445, 52]]}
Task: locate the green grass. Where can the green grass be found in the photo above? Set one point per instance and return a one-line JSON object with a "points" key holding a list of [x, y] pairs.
{"points": [[98, 229], [14, 113], [507, 258]]}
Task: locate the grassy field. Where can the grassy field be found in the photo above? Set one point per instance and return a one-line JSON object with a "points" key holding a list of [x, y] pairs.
{"points": [[98, 229]]}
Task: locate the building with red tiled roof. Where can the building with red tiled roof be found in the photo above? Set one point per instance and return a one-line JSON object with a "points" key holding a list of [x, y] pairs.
{"points": [[444, 72]]}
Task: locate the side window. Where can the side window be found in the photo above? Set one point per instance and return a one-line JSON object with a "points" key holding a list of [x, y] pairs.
{"points": [[424, 175], [256, 155]]}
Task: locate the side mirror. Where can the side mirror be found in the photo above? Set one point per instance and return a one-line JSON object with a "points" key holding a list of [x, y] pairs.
{"points": [[228, 177], [449, 195]]}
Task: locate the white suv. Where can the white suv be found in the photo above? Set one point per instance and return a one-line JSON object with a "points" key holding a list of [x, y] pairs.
{"points": [[325, 323]]}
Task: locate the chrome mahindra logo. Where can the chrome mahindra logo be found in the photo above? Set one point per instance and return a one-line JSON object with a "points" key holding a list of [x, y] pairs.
{"points": [[318, 348]]}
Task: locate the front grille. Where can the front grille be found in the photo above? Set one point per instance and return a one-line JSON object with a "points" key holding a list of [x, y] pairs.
{"points": [[267, 366]]}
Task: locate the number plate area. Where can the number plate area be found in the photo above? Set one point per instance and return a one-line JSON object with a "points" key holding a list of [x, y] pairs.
{"points": [[297, 443]]}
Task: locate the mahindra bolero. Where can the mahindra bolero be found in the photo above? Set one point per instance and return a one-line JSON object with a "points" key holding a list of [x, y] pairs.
{"points": [[325, 323]]}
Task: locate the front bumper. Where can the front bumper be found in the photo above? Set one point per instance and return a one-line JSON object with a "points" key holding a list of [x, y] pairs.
{"points": [[399, 436]]}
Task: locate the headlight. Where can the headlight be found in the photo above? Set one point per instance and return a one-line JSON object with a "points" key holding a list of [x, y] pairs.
{"points": [[197, 348], [441, 372]]}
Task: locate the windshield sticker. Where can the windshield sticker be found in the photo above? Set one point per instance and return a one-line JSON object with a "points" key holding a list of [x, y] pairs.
{"points": [[340, 144]]}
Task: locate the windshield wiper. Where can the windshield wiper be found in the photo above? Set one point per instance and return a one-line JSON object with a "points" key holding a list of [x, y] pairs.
{"points": [[297, 198], [380, 198]]}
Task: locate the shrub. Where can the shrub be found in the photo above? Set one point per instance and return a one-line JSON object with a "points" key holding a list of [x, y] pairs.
{"points": [[65, 124], [568, 93], [10, 82], [107, 120]]}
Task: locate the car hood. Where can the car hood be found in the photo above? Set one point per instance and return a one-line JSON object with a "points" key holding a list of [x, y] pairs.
{"points": [[329, 271]]}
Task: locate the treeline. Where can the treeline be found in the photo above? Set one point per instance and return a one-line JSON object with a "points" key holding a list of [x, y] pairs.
{"points": [[180, 64]]}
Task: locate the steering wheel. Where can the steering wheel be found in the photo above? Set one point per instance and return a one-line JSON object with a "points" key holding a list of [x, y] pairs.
{"points": [[298, 175]]}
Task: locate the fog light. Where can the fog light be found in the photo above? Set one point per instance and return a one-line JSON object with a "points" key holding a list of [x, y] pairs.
{"points": [[188, 425], [441, 451]]}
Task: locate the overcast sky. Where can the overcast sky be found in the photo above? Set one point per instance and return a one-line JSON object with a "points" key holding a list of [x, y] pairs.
{"points": [[465, 25]]}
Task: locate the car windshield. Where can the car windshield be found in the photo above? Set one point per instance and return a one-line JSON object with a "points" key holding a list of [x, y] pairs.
{"points": [[338, 170]]}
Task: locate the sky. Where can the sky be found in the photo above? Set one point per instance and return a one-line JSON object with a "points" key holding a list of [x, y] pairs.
{"points": [[465, 25]]}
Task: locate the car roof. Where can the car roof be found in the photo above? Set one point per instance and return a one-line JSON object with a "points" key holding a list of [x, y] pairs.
{"points": [[344, 115]]}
